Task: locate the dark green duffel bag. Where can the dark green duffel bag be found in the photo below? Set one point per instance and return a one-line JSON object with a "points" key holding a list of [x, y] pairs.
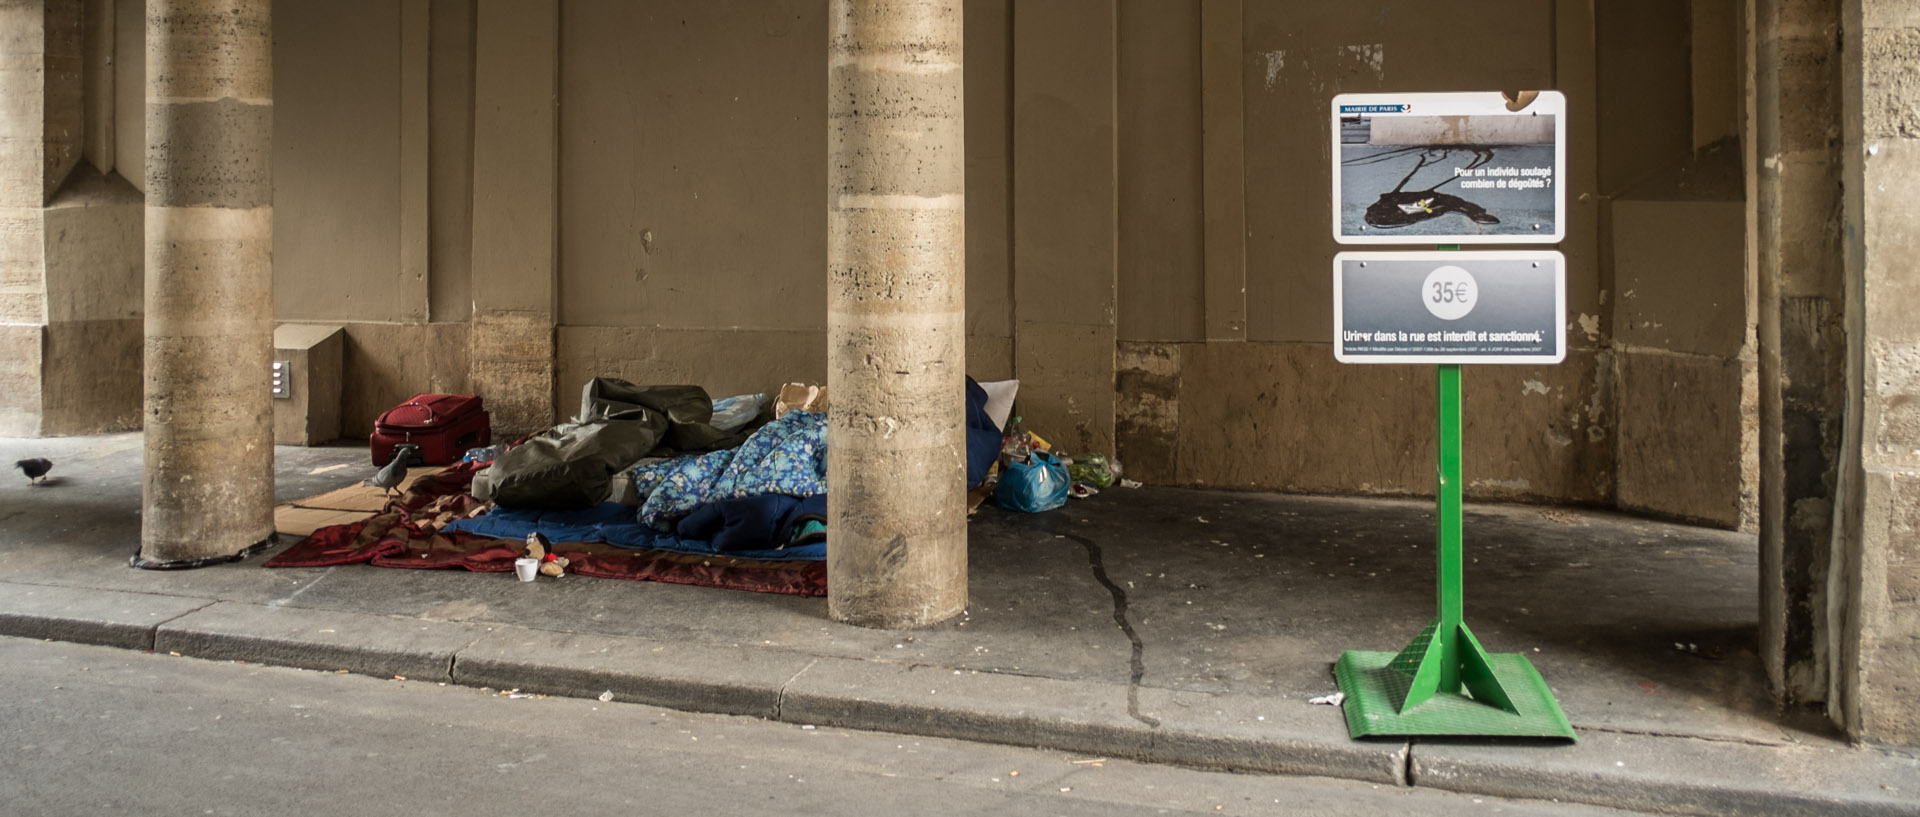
{"points": [[572, 465]]}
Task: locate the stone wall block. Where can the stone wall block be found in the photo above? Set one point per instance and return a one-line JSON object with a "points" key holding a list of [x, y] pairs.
{"points": [[1146, 424], [197, 58], [1893, 235], [219, 154], [21, 349], [1288, 417], [1894, 409], [206, 272], [865, 160], [96, 386], [94, 250], [22, 92], [1887, 675], [905, 387], [906, 568], [22, 265], [1891, 87], [63, 112], [905, 265], [511, 357], [1680, 436]]}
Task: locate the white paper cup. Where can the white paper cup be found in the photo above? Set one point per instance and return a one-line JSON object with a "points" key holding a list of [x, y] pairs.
{"points": [[526, 567]]}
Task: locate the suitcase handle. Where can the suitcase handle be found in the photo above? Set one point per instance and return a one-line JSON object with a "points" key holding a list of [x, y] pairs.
{"points": [[431, 417]]}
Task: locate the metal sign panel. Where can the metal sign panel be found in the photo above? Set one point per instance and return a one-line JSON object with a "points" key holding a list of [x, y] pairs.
{"points": [[1449, 307], [1460, 168]]}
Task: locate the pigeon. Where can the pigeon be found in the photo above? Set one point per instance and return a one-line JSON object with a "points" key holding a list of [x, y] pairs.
{"points": [[36, 469], [395, 472]]}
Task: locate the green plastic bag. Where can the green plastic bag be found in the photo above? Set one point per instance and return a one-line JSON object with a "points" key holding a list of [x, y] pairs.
{"points": [[1092, 469]]}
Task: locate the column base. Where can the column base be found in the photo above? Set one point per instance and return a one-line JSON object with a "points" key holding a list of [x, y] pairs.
{"points": [[205, 561]]}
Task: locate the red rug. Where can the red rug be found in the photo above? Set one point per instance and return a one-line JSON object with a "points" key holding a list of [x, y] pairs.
{"points": [[407, 534]]}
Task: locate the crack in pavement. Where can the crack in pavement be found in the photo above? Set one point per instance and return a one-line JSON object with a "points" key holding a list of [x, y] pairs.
{"points": [[1139, 666]]}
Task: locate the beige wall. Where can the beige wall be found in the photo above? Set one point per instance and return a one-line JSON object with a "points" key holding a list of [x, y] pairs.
{"points": [[692, 226], [1277, 411], [1298, 55], [337, 170], [450, 159], [1162, 260], [1675, 226], [691, 242], [692, 156]]}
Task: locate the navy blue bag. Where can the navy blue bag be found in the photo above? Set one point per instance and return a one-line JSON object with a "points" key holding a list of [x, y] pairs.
{"points": [[983, 437]]}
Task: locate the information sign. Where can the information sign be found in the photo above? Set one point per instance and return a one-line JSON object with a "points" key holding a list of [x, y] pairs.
{"points": [[1449, 307], [1455, 168]]}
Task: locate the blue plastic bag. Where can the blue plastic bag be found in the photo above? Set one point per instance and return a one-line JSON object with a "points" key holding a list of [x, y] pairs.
{"points": [[1040, 484]]}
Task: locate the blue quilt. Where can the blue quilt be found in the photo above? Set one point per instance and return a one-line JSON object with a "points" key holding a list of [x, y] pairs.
{"points": [[787, 456]]}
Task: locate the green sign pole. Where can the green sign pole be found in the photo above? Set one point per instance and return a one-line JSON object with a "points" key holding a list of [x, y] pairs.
{"points": [[1444, 682]]}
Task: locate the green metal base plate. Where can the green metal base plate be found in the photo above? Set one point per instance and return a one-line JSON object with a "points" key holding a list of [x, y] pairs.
{"points": [[1374, 692]]}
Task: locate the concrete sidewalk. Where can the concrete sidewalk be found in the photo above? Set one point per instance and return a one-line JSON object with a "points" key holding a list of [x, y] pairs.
{"points": [[1234, 607]]}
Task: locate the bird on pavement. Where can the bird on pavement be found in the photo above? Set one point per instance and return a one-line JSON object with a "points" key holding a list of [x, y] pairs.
{"points": [[395, 472], [36, 469]]}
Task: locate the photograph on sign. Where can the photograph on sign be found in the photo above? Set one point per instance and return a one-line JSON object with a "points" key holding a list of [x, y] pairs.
{"points": [[1505, 306], [1458, 168]]}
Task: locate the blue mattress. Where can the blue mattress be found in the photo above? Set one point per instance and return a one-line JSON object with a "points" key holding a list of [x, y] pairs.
{"points": [[613, 524]]}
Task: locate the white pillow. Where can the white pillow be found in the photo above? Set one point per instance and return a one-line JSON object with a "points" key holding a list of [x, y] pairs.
{"points": [[1000, 400]]}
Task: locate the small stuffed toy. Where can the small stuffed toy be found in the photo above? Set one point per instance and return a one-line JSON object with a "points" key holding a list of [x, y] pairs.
{"points": [[551, 564]]}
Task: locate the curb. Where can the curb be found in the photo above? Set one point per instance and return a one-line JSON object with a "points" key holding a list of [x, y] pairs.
{"points": [[677, 676], [1676, 775], [319, 640], [109, 618], [1680, 775]]}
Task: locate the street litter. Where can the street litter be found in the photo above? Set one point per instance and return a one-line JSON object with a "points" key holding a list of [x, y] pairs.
{"points": [[1334, 699]]}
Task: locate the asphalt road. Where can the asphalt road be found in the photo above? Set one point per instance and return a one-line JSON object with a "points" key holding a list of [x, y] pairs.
{"points": [[94, 730]]}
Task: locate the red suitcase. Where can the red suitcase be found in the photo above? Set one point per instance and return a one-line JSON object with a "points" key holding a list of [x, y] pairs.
{"points": [[444, 426]]}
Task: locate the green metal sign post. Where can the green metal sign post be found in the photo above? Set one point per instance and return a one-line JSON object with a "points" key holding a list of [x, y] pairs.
{"points": [[1444, 682]]}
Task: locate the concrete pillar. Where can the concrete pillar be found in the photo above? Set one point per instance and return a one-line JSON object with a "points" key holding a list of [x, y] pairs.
{"points": [[896, 343], [1876, 572], [1796, 201], [208, 493], [515, 176]]}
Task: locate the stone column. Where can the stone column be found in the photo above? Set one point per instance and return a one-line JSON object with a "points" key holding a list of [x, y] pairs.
{"points": [[1876, 572], [1796, 211], [208, 493], [896, 355]]}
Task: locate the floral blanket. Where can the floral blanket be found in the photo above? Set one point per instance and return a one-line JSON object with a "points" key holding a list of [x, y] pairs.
{"points": [[787, 456]]}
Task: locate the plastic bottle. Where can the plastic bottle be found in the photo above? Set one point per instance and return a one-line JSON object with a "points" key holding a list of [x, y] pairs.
{"points": [[1013, 444]]}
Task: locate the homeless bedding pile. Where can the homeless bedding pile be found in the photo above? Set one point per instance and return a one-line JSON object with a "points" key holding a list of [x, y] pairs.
{"points": [[668, 468]]}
